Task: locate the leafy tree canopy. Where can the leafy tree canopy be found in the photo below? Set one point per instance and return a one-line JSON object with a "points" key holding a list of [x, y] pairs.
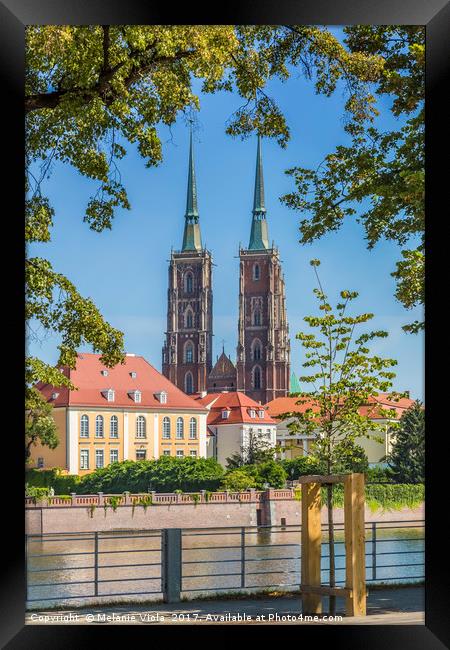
{"points": [[379, 176], [89, 89], [40, 427]]}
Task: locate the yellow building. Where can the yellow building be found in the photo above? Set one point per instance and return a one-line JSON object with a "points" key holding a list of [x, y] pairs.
{"points": [[129, 412], [298, 444]]}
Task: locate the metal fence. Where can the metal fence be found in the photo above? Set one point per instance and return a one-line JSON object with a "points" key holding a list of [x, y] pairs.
{"points": [[169, 563]]}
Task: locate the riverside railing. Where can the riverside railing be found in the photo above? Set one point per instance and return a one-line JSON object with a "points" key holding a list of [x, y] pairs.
{"points": [[170, 563], [203, 496]]}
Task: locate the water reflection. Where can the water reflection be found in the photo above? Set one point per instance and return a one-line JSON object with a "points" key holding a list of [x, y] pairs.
{"points": [[216, 560]]}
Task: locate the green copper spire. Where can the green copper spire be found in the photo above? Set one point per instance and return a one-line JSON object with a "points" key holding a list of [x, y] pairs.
{"points": [[294, 386], [192, 239], [259, 237]]}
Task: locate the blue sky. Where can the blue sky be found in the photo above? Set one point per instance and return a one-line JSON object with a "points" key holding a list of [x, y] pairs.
{"points": [[125, 270]]}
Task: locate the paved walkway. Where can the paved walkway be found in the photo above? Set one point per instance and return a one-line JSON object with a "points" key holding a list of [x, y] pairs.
{"points": [[403, 606]]}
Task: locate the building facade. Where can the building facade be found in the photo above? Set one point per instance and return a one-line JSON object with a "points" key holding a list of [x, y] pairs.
{"points": [[234, 419], [299, 444], [129, 412], [187, 351], [263, 351]]}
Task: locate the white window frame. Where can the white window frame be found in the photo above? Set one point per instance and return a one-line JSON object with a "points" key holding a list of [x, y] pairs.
{"points": [[141, 427], [193, 429], [99, 426], [261, 413], [141, 451], [166, 452], [84, 455], [99, 452], [84, 432], [116, 453], [114, 431], [109, 394], [180, 453], [193, 453], [179, 435], [225, 414], [166, 430], [252, 413]]}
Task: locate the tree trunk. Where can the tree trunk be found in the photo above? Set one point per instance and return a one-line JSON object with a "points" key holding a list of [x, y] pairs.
{"points": [[332, 599]]}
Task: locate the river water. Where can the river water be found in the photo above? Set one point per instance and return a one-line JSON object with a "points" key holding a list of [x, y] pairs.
{"points": [[61, 569]]}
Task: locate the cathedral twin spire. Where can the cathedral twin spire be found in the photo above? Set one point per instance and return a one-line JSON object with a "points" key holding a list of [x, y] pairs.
{"points": [[259, 239], [192, 238]]}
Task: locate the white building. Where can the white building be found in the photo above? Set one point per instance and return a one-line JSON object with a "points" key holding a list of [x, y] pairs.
{"points": [[232, 420]]}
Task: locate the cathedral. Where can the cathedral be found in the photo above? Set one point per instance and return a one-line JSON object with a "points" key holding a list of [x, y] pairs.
{"points": [[262, 369]]}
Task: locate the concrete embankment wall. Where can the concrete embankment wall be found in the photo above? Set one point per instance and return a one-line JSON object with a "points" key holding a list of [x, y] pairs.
{"points": [[80, 518]]}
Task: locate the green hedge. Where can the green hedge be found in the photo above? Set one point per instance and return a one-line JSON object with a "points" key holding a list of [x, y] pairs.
{"points": [[46, 478], [165, 474], [383, 497]]}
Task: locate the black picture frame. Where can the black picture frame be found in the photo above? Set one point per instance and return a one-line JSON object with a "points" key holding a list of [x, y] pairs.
{"points": [[435, 14]]}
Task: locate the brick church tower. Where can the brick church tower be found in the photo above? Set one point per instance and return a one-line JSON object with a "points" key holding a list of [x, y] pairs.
{"points": [[263, 351], [187, 351]]}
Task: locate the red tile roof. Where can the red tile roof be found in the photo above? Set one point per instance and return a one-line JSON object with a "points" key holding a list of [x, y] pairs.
{"points": [[375, 407], [90, 382], [239, 406]]}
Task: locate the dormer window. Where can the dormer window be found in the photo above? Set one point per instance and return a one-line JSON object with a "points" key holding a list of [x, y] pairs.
{"points": [[109, 394], [225, 414], [252, 413], [104, 373], [133, 374], [261, 413], [161, 397], [136, 396]]}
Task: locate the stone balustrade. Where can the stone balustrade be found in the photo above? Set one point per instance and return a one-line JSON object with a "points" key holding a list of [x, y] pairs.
{"points": [[155, 498]]}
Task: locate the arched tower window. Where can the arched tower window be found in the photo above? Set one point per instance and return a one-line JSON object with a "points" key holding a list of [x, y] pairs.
{"points": [[256, 350], [188, 383], [257, 377], [188, 283], [189, 318], [257, 317], [256, 272], [189, 352]]}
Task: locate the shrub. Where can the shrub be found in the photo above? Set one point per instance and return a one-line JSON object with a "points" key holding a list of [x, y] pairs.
{"points": [[36, 492], [272, 473], [238, 480], [255, 476], [301, 466], [379, 475], [61, 483], [166, 474]]}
